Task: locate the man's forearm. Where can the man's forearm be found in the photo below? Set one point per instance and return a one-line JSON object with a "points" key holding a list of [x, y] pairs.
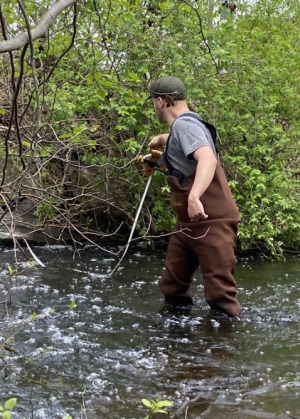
{"points": [[206, 167]]}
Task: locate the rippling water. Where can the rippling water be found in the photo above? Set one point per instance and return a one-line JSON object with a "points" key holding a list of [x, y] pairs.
{"points": [[100, 344]]}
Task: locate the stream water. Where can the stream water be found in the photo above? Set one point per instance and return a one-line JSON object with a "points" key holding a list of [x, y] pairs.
{"points": [[97, 345]]}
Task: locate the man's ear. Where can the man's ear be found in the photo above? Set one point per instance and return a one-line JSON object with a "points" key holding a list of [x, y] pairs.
{"points": [[161, 102]]}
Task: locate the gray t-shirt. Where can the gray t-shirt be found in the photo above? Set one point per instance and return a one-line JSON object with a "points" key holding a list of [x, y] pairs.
{"points": [[187, 135]]}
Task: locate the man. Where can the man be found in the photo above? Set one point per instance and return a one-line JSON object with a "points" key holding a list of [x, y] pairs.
{"points": [[208, 218]]}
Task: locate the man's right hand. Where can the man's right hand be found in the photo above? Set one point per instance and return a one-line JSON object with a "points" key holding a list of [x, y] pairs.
{"points": [[158, 140]]}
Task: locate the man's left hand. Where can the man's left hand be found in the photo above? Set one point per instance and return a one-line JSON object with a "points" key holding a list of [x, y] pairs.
{"points": [[196, 210]]}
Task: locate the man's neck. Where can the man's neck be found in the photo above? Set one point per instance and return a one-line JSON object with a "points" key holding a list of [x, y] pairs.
{"points": [[175, 111]]}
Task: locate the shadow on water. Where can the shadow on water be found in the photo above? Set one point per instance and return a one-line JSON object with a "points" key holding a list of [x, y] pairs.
{"points": [[100, 344]]}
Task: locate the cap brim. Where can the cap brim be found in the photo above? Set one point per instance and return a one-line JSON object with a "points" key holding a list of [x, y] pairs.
{"points": [[148, 98]]}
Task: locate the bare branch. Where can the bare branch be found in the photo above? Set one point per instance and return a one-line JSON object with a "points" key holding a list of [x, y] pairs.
{"points": [[39, 31]]}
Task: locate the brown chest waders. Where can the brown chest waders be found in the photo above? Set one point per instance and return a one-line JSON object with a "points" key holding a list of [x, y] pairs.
{"points": [[209, 244]]}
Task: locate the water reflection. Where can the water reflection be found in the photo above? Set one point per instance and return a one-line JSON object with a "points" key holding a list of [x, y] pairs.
{"points": [[117, 346]]}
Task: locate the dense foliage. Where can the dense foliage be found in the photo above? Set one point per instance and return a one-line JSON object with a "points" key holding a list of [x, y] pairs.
{"points": [[81, 115]]}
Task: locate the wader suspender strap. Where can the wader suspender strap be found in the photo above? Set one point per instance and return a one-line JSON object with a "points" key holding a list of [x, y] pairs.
{"points": [[175, 172]]}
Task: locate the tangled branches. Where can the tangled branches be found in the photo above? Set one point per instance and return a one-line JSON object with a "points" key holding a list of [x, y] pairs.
{"points": [[47, 192]]}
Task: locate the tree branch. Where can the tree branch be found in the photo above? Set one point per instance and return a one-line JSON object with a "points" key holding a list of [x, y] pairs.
{"points": [[39, 31]]}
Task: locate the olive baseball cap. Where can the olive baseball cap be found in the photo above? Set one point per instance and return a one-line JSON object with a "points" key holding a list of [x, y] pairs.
{"points": [[168, 86]]}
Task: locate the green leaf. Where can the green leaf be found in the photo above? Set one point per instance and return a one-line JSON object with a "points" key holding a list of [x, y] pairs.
{"points": [[79, 130], [72, 305], [92, 142], [10, 404], [164, 403], [164, 5], [147, 403]]}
